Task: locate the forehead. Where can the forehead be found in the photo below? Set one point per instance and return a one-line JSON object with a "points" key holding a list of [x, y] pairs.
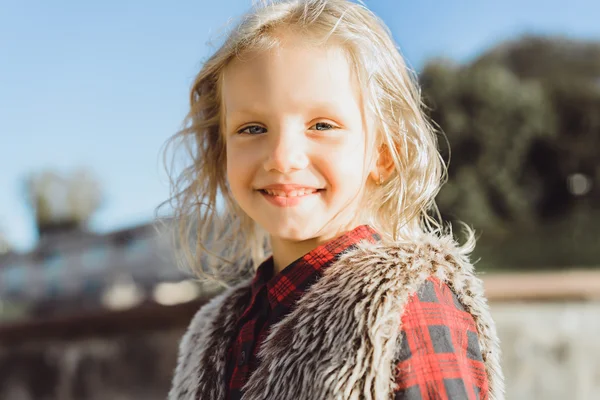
{"points": [[294, 72]]}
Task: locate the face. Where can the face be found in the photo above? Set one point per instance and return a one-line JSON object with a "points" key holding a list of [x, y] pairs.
{"points": [[296, 139]]}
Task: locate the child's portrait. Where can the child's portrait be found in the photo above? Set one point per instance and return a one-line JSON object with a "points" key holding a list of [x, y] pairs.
{"points": [[299, 200]]}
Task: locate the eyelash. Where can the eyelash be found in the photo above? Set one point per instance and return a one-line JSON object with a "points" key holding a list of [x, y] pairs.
{"points": [[241, 131]]}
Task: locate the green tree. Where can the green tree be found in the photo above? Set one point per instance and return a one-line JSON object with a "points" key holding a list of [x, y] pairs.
{"points": [[569, 72], [523, 125]]}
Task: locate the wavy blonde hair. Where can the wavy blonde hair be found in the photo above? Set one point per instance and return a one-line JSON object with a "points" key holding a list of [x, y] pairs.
{"points": [[228, 245]]}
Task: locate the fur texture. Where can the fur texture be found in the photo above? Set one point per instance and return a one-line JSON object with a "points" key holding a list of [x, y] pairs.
{"points": [[341, 339]]}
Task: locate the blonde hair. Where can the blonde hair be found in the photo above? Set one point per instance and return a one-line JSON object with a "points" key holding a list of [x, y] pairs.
{"points": [[228, 244]]}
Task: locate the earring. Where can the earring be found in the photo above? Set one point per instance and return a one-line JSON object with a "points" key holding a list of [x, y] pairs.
{"points": [[380, 179]]}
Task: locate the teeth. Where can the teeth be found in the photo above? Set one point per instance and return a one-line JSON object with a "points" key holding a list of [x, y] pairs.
{"points": [[294, 193]]}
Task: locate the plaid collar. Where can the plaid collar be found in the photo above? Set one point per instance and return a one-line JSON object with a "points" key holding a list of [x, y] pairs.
{"points": [[284, 288]]}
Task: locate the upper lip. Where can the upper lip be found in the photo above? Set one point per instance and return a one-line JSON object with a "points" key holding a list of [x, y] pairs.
{"points": [[288, 187]]}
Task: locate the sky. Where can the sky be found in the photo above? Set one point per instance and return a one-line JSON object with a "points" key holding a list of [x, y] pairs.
{"points": [[103, 84]]}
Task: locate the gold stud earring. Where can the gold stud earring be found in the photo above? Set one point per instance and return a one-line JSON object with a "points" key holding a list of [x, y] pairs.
{"points": [[380, 179]]}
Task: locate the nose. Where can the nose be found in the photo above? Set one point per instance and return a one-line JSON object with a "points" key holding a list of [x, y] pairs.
{"points": [[287, 152]]}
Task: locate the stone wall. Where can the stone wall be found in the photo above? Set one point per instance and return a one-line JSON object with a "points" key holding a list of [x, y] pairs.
{"points": [[127, 367], [551, 350]]}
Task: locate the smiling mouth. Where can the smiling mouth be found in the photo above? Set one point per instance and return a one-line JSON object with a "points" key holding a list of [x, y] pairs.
{"points": [[290, 193], [290, 197]]}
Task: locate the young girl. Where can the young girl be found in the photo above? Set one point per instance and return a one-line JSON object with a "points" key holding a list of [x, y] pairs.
{"points": [[308, 128]]}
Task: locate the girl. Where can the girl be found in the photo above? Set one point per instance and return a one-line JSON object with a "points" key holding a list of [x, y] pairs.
{"points": [[341, 285]]}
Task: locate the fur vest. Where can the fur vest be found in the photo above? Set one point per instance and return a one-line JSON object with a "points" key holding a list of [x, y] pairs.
{"points": [[340, 340]]}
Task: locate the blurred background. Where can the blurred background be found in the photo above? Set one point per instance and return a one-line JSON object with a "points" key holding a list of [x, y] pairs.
{"points": [[92, 305]]}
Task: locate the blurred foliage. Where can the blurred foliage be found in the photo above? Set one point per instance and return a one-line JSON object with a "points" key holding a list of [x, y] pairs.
{"points": [[62, 199], [523, 125], [5, 246], [12, 311]]}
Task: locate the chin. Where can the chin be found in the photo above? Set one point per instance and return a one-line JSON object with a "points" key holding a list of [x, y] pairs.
{"points": [[290, 233]]}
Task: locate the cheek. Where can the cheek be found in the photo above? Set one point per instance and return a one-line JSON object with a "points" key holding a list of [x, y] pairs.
{"points": [[344, 176], [346, 166], [233, 167], [240, 165]]}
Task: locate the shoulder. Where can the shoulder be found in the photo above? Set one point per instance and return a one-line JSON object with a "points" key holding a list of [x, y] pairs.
{"points": [[436, 310], [410, 262], [434, 291], [428, 250]]}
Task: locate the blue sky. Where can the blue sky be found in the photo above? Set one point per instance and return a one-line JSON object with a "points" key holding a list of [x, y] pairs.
{"points": [[102, 84]]}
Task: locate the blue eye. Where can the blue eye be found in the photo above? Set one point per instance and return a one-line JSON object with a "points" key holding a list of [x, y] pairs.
{"points": [[323, 126], [253, 130]]}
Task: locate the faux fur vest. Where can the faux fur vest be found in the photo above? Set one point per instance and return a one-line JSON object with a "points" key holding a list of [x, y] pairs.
{"points": [[340, 340]]}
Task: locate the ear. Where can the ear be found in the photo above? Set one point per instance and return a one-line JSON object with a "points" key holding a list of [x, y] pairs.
{"points": [[383, 166]]}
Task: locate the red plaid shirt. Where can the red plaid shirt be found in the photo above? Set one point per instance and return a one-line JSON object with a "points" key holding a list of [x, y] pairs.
{"points": [[439, 357]]}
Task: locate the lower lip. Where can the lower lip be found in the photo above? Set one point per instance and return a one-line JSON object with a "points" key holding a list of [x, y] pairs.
{"points": [[281, 201]]}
